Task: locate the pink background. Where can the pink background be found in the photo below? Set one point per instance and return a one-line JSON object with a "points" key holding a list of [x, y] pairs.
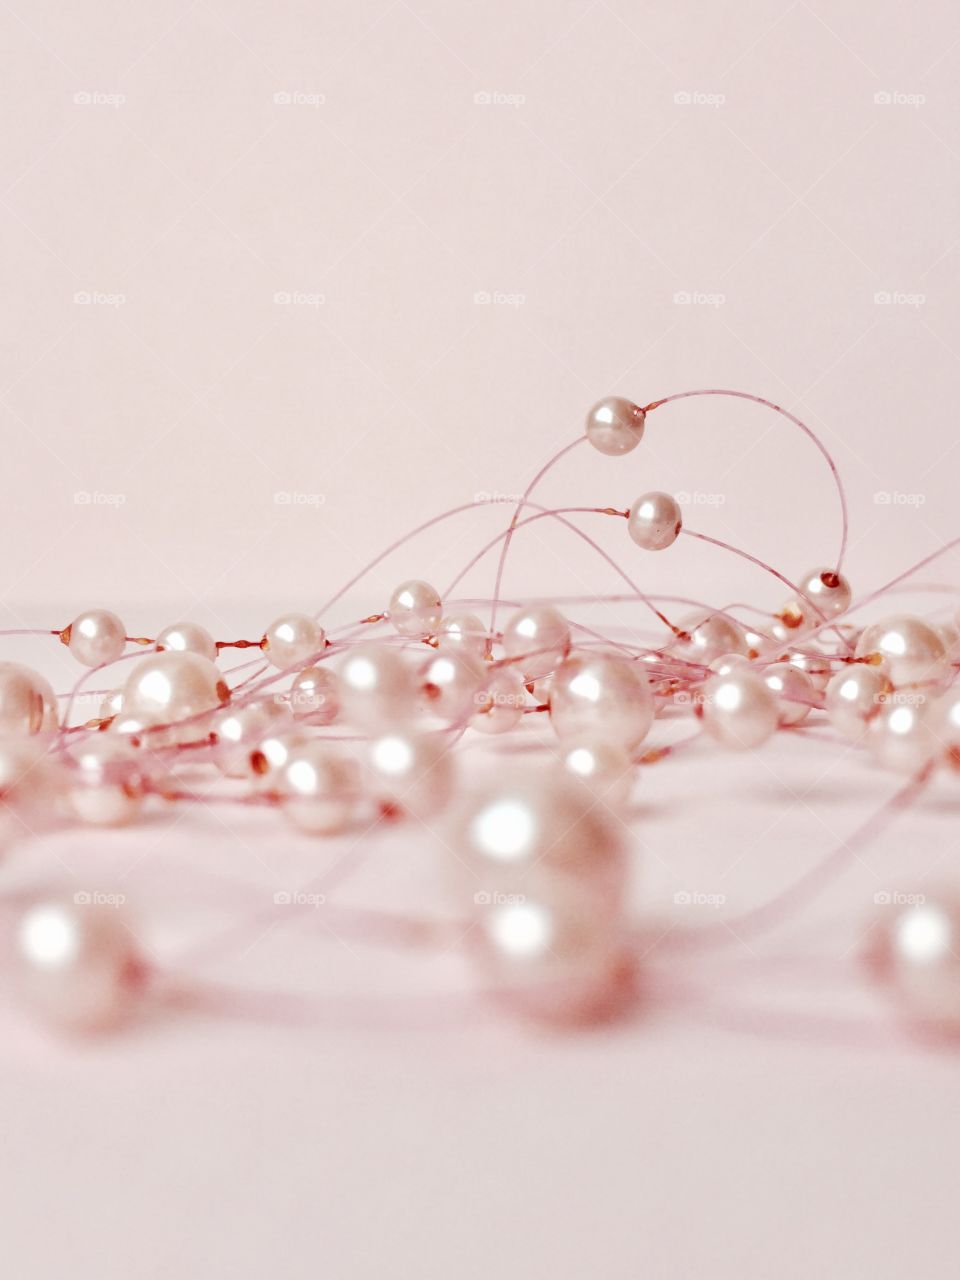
{"points": [[149, 166]]}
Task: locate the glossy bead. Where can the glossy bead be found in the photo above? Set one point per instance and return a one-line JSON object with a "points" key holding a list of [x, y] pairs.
{"points": [[600, 694], [500, 701], [711, 636], [168, 688], [188, 637], [944, 722], [463, 631], [615, 425], [917, 955], [912, 652], [899, 736], [451, 680], [415, 608], [539, 636], [655, 521], [105, 785], [739, 710], [236, 732], [77, 965], [410, 771], [794, 691], [602, 766], [27, 702], [315, 695], [828, 591], [377, 686], [815, 665], [97, 637], [276, 746], [319, 788], [291, 641], [728, 662], [853, 697]]}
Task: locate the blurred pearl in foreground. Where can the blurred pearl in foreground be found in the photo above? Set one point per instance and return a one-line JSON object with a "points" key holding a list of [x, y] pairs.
{"points": [[188, 637], [292, 640], [602, 694], [615, 426], [377, 686], [413, 772], [828, 591], [918, 955], [853, 697], [739, 709], [899, 736], [451, 680], [76, 964], [105, 786], [655, 521], [238, 731], [500, 700], [539, 636], [603, 766], [97, 637], [27, 702], [319, 788], [912, 652], [415, 608], [794, 691], [315, 693]]}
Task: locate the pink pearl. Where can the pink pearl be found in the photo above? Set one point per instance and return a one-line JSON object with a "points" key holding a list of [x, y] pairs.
{"points": [[500, 701], [452, 680], [169, 687], [853, 697], [97, 637], [377, 687], [655, 521], [188, 637], [814, 665], [912, 652], [604, 695], [828, 591], [739, 710], [319, 788], [415, 773], [794, 691], [237, 732], [315, 693], [917, 954], [27, 702], [615, 426], [604, 767], [292, 640], [711, 636], [105, 787], [728, 662], [463, 631], [415, 608], [276, 745], [899, 736], [540, 636], [77, 964], [944, 722]]}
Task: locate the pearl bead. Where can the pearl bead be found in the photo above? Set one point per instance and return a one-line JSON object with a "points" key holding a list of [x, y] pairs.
{"points": [[96, 637], [944, 722], [794, 691], [853, 697], [615, 425], [238, 731], [377, 686], [604, 695], [918, 956], [602, 766], [540, 635], [911, 650], [463, 631], [415, 608], [413, 772], [268, 758], [728, 662], [828, 591], [167, 688], [106, 785], [711, 636], [655, 521], [500, 701], [291, 641], [319, 788], [452, 679], [739, 710], [816, 666], [77, 964], [315, 692], [188, 637], [899, 736], [27, 702]]}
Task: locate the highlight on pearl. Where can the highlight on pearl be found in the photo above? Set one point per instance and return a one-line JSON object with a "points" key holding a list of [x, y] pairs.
{"points": [[655, 521]]}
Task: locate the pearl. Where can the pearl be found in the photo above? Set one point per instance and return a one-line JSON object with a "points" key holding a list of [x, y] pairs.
{"points": [[918, 955], [501, 700], [268, 758], [816, 666], [77, 964], [319, 788], [413, 772], [728, 662], [711, 636], [604, 695], [315, 692], [739, 710], [237, 732], [463, 631], [912, 652], [828, 591], [853, 697], [452, 680], [615, 425], [105, 787], [167, 688], [111, 705], [188, 637], [794, 690], [291, 641], [415, 608], [655, 521], [376, 686], [899, 736], [96, 637], [540, 635], [602, 766], [944, 722], [27, 702]]}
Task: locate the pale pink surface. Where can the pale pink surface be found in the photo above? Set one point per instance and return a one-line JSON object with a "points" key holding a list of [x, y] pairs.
{"points": [[203, 1146]]}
